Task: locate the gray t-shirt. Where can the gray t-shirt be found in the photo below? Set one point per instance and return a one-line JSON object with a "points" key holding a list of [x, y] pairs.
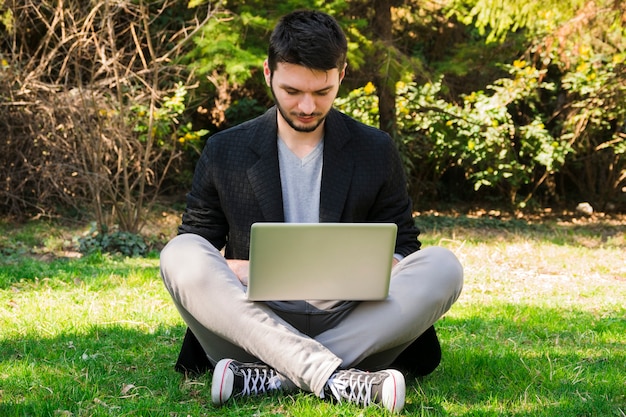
{"points": [[301, 181]]}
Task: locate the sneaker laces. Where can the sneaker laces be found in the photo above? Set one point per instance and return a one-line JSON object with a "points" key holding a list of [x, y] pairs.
{"points": [[258, 381], [355, 387]]}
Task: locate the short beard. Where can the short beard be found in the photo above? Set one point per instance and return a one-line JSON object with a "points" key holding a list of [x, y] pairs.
{"points": [[291, 123], [289, 120]]}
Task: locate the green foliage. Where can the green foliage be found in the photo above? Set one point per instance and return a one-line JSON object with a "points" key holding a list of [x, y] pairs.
{"points": [[496, 19], [242, 110], [561, 111], [114, 241], [165, 122], [361, 103], [517, 94], [481, 134], [498, 150], [589, 53], [233, 44], [595, 124], [596, 86], [230, 45]]}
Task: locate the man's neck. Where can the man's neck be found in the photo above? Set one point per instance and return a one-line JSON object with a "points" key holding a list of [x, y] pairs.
{"points": [[300, 143]]}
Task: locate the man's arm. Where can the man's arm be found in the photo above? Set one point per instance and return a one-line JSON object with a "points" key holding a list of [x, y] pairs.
{"points": [[203, 214]]}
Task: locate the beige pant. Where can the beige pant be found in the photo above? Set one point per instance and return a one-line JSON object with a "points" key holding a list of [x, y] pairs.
{"points": [[212, 302]]}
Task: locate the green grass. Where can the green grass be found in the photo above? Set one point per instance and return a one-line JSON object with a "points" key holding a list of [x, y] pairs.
{"points": [[540, 329]]}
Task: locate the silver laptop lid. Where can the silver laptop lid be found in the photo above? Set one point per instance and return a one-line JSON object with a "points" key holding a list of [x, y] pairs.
{"points": [[320, 261]]}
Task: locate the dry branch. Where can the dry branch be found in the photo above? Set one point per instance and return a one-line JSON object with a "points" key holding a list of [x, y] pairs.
{"points": [[76, 70]]}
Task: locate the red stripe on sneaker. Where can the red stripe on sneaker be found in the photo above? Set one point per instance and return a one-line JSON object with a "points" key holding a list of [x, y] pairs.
{"points": [[222, 382], [395, 392]]}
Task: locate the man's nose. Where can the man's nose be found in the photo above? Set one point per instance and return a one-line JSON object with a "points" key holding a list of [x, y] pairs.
{"points": [[307, 104]]}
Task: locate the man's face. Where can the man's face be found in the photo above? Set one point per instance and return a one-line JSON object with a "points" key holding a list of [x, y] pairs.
{"points": [[303, 96]]}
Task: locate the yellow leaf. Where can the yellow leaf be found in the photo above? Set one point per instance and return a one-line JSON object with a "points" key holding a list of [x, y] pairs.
{"points": [[369, 88]]}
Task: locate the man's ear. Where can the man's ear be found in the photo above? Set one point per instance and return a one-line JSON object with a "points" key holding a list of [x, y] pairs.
{"points": [[342, 74], [267, 72]]}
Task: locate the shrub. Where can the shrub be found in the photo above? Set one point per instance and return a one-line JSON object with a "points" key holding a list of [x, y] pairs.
{"points": [[94, 107], [114, 241], [507, 137]]}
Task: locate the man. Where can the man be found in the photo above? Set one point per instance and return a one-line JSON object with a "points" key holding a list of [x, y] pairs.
{"points": [[303, 161]]}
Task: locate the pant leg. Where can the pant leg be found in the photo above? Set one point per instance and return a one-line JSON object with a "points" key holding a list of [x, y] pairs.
{"points": [[192, 358], [212, 302], [422, 356], [423, 287]]}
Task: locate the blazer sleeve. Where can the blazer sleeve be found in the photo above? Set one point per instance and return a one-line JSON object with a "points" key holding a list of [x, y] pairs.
{"points": [[396, 204], [204, 215], [392, 202]]}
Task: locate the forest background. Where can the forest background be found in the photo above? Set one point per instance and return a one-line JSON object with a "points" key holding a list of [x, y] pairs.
{"points": [[105, 105]]}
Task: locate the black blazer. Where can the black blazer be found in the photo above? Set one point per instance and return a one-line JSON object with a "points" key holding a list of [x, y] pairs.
{"points": [[237, 183]]}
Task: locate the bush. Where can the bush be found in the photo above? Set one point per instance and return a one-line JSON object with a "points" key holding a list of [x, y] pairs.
{"points": [[115, 242], [94, 107], [507, 138]]}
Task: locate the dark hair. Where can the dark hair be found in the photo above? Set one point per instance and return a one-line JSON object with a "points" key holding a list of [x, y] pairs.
{"points": [[309, 38]]}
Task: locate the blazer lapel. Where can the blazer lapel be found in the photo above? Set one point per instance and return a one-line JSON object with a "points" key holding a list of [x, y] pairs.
{"points": [[337, 169], [264, 175]]}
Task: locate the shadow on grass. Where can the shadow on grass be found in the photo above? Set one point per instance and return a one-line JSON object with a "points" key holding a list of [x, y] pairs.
{"points": [[511, 360], [106, 371], [97, 270], [528, 361]]}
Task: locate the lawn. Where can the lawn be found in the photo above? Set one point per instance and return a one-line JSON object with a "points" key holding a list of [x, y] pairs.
{"points": [[540, 329]]}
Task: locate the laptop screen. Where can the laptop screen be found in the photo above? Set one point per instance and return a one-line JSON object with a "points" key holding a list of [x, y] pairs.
{"points": [[320, 261]]}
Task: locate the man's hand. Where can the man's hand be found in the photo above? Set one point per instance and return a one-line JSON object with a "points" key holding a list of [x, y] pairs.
{"points": [[241, 268]]}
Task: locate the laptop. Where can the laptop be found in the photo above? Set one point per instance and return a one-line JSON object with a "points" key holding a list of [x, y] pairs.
{"points": [[320, 261]]}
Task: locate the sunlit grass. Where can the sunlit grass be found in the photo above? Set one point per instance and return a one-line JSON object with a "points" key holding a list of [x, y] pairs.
{"points": [[538, 331]]}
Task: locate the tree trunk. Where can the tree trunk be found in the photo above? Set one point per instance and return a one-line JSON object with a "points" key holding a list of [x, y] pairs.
{"points": [[384, 77]]}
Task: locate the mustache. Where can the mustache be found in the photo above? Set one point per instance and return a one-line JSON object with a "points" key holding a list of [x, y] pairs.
{"points": [[306, 114]]}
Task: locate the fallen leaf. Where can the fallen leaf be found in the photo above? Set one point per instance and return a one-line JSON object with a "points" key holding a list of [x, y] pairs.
{"points": [[126, 388]]}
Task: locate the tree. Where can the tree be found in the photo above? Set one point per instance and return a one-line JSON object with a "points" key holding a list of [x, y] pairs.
{"points": [[384, 79], [581, 46], [231, 48], [558, 106]]}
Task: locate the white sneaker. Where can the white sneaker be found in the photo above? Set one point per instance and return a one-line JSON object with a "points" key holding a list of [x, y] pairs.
{"points": [[386, 388], [232, 378]]}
